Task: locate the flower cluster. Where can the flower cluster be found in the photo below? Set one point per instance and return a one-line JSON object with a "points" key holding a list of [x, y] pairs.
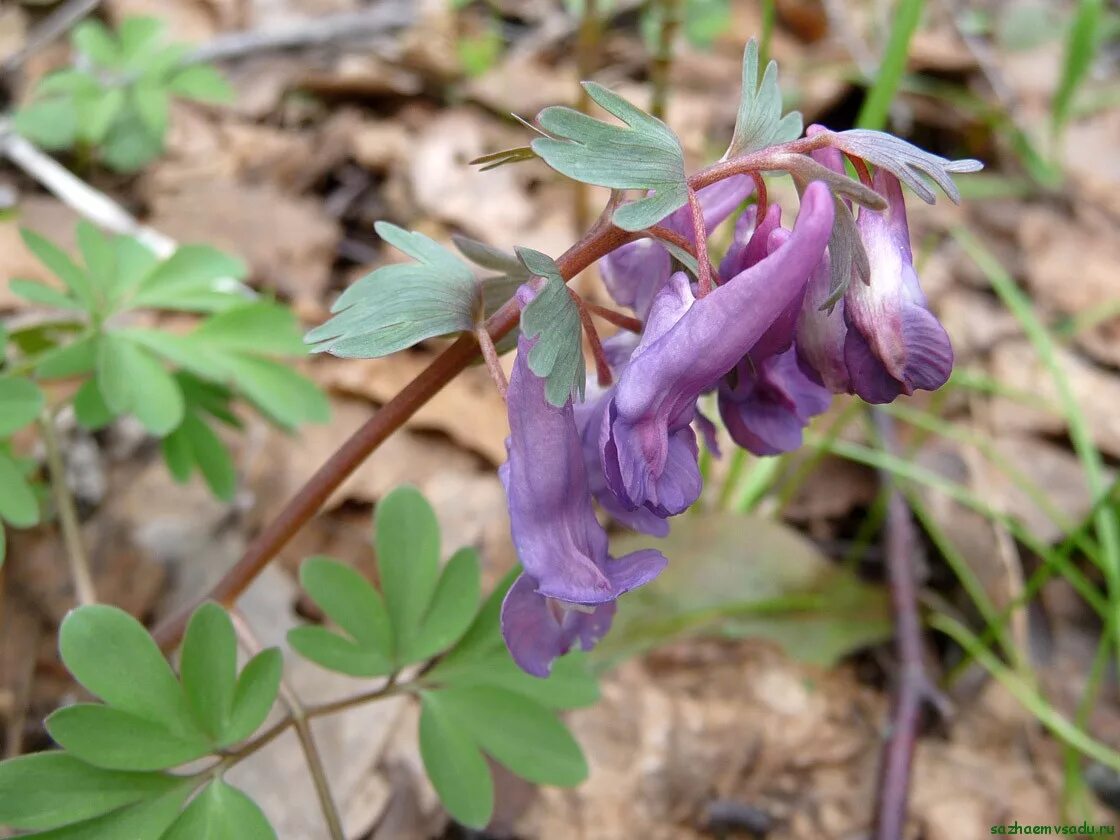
{"points": [[767, 340]]}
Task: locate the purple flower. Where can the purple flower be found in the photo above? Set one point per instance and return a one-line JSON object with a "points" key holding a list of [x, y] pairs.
{"points": [[569, 584], [822, 333], [894, 344], [636, 272], [648, 446], [766, 407]]}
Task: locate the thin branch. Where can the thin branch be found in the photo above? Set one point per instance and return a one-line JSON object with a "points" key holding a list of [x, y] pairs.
{"points": [[914, 688], [700, 230], [77, 194], [599, 241], [612, 317], [762, 196], [380, 19], [493, 364], [297, 716], [54, 26], [602, 366], [67, 516], [673, 238]]}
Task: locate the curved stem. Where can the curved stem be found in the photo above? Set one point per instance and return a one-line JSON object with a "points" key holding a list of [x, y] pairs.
{"points": [[700, 230], [612, 317], [600, 240], [673, 238], [67, 515]]}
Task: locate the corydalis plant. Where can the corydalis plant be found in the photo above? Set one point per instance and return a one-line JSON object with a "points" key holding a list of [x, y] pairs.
{"points": [[791, 317]]}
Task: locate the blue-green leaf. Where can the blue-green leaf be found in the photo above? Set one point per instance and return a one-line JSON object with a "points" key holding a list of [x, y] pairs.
{"points": [[20, 403], [50, 789], [455, 765], [759, 122], [552, 318], [643, 155], [400, 305]]}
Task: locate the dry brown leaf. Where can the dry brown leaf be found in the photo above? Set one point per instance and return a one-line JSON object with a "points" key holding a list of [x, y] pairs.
{"points": [[469, 409]]}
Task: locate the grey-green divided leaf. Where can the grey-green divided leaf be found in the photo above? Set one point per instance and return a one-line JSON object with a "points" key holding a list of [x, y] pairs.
{"points": [[511, 272], [111, 654], [17, 500], [351, 602], [643, 155], [50, 789], [398, 306], [552, 318], [760, 123], [221, 812], [253, 695], [451, 609], [144, 820], [521, 734], [407, 540], [119, 740], [208, 667], [20, 403], [455, 765], [776, 585]]}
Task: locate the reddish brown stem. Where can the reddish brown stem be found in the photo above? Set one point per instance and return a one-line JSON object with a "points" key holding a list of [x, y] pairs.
{"points": [[762, 197], [672, 237], [600, 240], [490, 356], [860, 165], [700, 230], [602, 367], [613, 317], [913, 689]]}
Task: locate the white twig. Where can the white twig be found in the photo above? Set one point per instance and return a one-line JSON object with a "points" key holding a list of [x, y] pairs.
{"points": [[73, 191], [382, 18]]}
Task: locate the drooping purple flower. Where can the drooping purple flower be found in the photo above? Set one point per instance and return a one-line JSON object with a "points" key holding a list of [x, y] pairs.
{"points": [[894, 344], [636, 272], [648, 447], [823, 332], [569, 584], [766, 407]]}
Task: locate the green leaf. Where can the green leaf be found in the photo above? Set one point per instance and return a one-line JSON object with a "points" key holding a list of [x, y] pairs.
{"points": [[187, 272], [145, 820], [552, 318], [208, 667], [1081, 47], [778, 587], [177, 455], [90, 408], [111, 654], [93, 39], [98, 253], [522, 735], [253, 695], [400, 305], [61, 265], [3, 544], [211, 455], [570, 685], [36, 292], [20, 403], [408, 548], [152, 105], [278, 392], [760, 123], [259, 328], [221, 812], [452, 607], [68, 81], [73, 359], [17, 500], [455, 765], [119, 740], [203, 83], [482, 638], [51, 123], [50, 789], [352, 603], [129, 144], [97, 112], [645, 155], [134, 261], [133, 380], [139, 38]]}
